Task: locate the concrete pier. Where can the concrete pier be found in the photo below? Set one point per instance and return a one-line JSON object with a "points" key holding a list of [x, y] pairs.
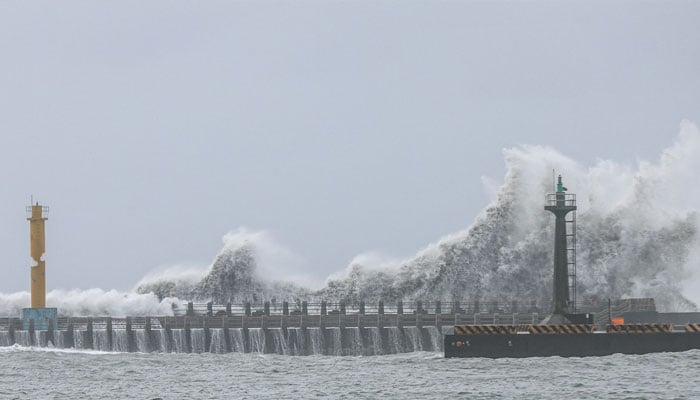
{"points": [[299, 334], [284, 328]]}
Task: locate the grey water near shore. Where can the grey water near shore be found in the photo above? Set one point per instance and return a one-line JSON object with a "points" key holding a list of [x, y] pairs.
{"points": [[38, 373]]}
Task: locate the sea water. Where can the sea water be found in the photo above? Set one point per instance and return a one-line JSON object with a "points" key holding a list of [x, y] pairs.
{"points": [[72, 374]]}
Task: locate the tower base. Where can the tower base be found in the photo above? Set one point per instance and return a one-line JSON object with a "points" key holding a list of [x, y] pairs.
{"points": [[41, 317]]}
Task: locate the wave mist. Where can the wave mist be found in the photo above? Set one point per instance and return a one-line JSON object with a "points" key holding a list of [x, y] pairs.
{"points": [[637, 237]]}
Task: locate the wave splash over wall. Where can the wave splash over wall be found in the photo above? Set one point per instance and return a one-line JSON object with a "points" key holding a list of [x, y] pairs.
{"points": [[92, 302], [238, 274], [637, 237]]}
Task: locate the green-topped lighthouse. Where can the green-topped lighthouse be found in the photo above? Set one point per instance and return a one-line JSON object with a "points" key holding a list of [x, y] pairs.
{"points": [[561, 204]]}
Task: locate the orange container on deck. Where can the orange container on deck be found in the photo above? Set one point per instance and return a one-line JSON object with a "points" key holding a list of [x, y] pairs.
{"points": [[617, 321]]}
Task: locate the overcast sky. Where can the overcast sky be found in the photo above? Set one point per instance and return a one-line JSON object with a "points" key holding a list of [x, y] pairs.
{"points": [[152, 128]]}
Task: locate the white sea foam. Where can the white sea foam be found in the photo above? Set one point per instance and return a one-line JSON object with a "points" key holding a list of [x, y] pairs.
{"points": [[92, 302], [15, 348]]}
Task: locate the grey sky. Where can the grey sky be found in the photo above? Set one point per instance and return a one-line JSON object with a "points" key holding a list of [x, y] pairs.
{"points": [[153, 128]]}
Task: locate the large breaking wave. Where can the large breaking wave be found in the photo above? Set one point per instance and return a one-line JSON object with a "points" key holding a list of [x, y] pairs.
{"points": [[637, 237]]}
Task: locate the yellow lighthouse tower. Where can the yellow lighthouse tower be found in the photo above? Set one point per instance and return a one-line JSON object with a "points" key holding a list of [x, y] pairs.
{"points": [[37, 245], [38, 313]]}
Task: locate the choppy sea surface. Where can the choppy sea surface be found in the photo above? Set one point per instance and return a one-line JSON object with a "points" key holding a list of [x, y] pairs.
{"points": [[40, 373]]}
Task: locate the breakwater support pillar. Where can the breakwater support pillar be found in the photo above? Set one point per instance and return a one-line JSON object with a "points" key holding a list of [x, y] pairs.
{"points": [[89, 343], [69, 336], [31, 332], [167, 334], [227, 334], [11, 330], [188, 336], [110, 338], [207, 333], [319, 328], [147, 335], [130, 340], [51, 332]]}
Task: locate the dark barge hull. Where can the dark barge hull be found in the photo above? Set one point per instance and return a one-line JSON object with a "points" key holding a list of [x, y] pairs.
{"points": [[567, 345]]}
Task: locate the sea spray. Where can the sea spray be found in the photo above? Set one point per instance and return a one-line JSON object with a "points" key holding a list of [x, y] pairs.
{"points": [[352, 341], [637, 237], [218, 341], [198, 340], [435, 337], [256, 340], [179, 341], [414, 339], [279, 342], [316, 341], [79, 339], [296, 341], [100, 340], [334, 342], [60, 339], [375, 341], [234, 276], [394, 340], [120, 340], [237, 342], [162, 344], [22, 338], [92, 302], [41, 338], [142, 341]]}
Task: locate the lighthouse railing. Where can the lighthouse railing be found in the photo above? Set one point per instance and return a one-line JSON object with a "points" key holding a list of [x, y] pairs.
{"points": [[560, 199]]}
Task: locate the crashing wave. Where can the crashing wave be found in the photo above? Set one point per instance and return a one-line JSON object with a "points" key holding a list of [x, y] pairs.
{"points": [[234, 276], [93, 302], [637, 237]]}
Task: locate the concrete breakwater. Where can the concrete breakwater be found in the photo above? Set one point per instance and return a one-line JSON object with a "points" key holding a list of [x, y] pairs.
{"points": [[307, 329], [201, 338], [289, 335]]}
